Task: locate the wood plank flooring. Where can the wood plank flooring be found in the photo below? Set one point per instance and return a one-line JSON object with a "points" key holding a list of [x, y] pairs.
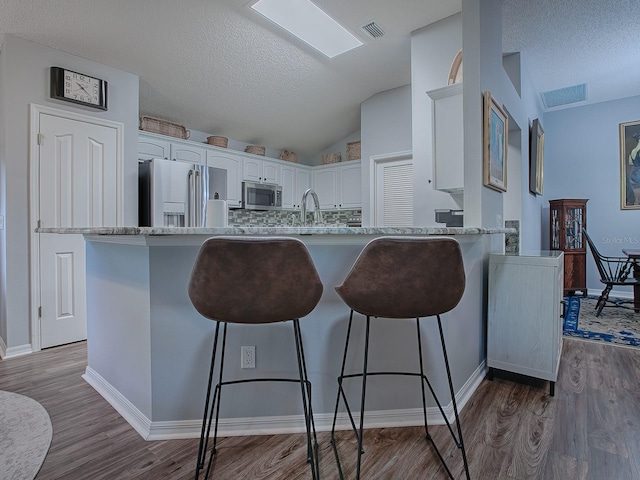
{"points": [[512, 429]]}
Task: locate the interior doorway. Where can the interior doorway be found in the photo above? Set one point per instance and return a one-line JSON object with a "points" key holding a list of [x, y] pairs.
{"points": [[76, 165]]}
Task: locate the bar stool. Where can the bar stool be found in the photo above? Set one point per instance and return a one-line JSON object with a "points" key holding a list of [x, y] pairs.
{"points": [[244, 280], [402, 278]]}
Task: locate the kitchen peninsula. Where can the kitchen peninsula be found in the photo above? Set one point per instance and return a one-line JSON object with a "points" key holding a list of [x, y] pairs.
{"points": [[149, 350]]}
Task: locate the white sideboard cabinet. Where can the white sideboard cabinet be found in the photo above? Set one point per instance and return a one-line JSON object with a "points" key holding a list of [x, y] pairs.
{"points": [[525, 314]]}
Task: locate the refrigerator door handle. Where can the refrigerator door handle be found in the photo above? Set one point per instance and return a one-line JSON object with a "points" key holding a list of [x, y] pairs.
{"points": [[198, 199], [190, 199]]}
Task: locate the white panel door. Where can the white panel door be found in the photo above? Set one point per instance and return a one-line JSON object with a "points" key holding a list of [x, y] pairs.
{"points": [[78, 188]]}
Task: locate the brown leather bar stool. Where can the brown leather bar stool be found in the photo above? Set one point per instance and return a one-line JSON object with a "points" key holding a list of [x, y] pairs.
{"points": [[228, 274], [402, 278]]}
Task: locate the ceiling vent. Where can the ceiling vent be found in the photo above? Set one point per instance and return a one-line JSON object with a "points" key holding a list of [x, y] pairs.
{"points": [[564, 96], [373, 30]]}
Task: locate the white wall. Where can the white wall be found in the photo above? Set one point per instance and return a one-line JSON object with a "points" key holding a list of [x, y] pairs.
{"points": [[582, 160], [385, 128], [24, 75], [432, 51]]}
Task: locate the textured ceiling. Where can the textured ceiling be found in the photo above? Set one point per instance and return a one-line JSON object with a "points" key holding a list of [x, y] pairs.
{"points": [[217, 67], [566, 43]]}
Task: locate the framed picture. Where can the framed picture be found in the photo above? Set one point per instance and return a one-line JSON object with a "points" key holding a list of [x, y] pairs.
{"points": [[496, 129], [630, 165], [536, 158]]}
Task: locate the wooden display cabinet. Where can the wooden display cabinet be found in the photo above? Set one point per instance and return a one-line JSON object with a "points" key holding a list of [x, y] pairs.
{"points": [[568, 218]]}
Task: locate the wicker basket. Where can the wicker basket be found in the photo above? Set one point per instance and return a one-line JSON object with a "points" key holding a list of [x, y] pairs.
{"points": [[353, 150], [255, 149], [328, 158], [289, 156], [164, 127], [218, 141]]}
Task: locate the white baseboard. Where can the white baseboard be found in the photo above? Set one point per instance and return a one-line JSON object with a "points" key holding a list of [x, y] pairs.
{"points": [[124, 407], [612, 294], [11, 352], [228, 427]]}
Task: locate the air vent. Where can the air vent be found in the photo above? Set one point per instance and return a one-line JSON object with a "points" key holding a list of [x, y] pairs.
{"points": [[564, 96], [373, 30]]}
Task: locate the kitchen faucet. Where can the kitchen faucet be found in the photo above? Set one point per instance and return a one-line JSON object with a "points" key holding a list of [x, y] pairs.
{"points": [[317, 214]]}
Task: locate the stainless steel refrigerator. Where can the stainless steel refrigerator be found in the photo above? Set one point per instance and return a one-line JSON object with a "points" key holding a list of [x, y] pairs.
{"points": [[175, 194]]}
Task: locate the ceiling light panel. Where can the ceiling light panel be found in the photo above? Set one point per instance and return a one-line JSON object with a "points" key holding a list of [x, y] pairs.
{"points": [[310, 24]]}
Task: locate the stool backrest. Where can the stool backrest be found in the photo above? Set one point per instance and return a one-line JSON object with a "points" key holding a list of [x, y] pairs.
{"points": [[405, 277], [254, 280]]}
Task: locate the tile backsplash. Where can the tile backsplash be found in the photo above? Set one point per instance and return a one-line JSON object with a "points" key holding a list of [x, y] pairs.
{"points": [[512, 240], [276, 218]]}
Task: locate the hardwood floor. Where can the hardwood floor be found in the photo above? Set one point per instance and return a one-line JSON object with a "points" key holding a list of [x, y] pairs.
{"points": [[512, 429]]}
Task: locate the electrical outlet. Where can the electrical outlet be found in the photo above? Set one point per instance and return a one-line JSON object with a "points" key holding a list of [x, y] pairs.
{"points": [[248, 356]]}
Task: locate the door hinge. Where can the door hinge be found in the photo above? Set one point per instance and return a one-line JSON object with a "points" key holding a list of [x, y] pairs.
{"points": [[39, 139], [39, 223], [40, 312]]}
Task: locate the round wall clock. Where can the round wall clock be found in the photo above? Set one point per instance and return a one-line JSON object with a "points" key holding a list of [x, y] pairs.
{"points": [[78, 88]]}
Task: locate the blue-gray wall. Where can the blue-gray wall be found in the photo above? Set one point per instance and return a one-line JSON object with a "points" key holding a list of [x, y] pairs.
{"points": [[24, 80], [582, 160]]}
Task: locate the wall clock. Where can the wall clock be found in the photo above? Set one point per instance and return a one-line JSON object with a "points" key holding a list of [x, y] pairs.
{"points": [[78, 88]]}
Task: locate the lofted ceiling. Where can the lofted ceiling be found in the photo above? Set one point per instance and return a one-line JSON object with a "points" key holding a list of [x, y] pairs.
{"points": [[217, 67]]}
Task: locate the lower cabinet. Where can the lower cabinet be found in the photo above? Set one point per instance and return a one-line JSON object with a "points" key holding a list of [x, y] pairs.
{"points": [[524, 332]]}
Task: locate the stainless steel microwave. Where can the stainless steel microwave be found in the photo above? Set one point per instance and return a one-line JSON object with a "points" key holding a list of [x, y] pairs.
{"points": [[261, 196]]}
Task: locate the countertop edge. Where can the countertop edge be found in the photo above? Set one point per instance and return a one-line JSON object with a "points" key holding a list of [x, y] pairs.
{"points": [[161, 231]]}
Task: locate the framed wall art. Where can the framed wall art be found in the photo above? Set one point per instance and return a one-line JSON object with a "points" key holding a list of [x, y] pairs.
{"points": [[536, 158], [495, 131], [630, 165]]}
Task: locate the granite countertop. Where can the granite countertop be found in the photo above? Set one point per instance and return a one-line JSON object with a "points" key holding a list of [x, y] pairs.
{"points": [[282, 230]]}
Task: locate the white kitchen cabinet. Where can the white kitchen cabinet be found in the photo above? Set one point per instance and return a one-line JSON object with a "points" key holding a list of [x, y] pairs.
{"points": [[448, 138], [339, 186], [154, 146], [232, 163], [261, 171], [524, 320], [350, 185], [295, 181], [150, 146], [325, 184], [184, 152]]}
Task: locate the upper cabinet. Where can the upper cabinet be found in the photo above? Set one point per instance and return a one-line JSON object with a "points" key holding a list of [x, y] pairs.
{"points": [[448, 138], [296, 179], [350, 185], [325, 184], [181, 152], [232, 163], [261, 171], [151, 146], [339, 186]]}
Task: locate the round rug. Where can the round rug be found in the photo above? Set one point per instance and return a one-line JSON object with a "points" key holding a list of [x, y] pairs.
{"points": [[25, 436]]}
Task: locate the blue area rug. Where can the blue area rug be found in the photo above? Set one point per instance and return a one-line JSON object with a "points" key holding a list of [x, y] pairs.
{"points": [[614, 325]]}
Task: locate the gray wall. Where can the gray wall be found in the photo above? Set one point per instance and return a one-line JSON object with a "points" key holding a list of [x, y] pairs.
{"points": [[582, 160], [24, 75], [385, 128], [432, 51]]}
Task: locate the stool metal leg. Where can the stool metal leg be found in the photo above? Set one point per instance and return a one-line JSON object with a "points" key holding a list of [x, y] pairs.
{"points": [[211, 406], [359, 431], [364, 391], [459, 442], [422, 377], [305, 388]]}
